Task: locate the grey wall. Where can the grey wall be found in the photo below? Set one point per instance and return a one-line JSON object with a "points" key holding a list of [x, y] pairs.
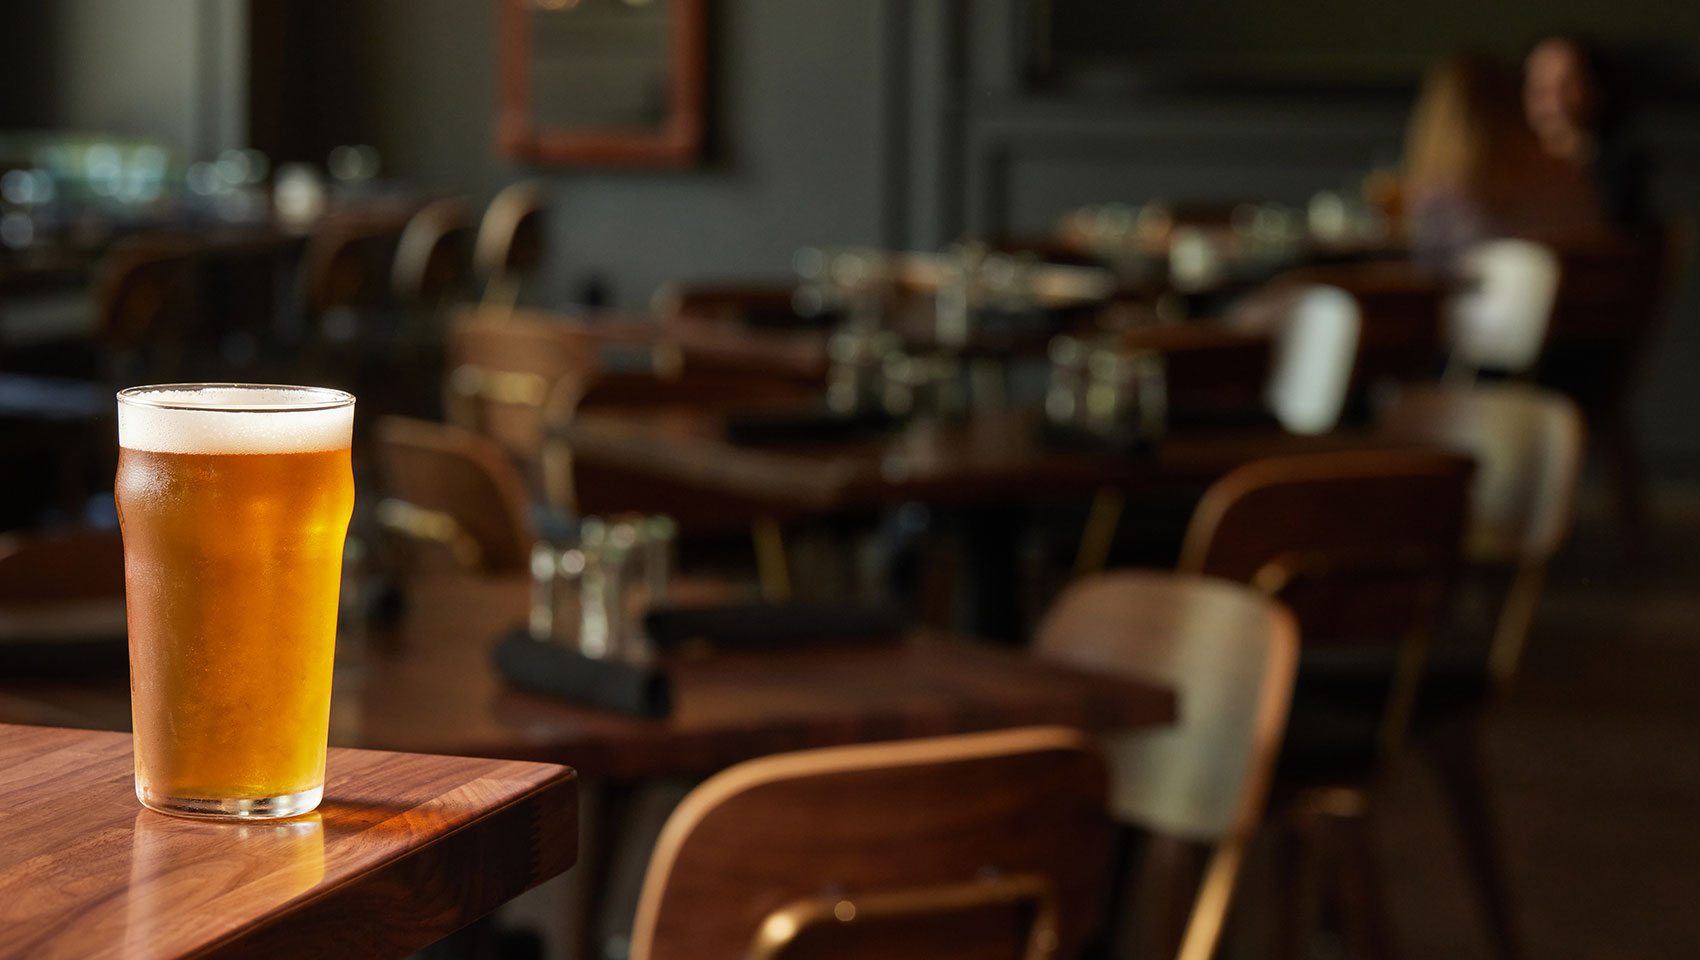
{"points": [[169, 69], [796, 94], [911, 121], [129, 68], [903, 122]]}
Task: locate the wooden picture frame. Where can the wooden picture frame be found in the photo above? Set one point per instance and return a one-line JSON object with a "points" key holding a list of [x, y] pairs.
{"points": [[676, 142]]}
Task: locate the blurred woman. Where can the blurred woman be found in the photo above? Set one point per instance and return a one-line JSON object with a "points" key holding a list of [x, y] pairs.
{"points": [[1578, 119], [1474, 170]]}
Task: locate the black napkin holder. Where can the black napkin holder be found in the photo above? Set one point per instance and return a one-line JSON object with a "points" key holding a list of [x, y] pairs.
{"points": [[555, 670]]}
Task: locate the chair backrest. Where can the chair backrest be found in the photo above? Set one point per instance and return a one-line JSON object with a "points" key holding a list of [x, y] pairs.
{"points": [[347, 263], [1230, 655], [1499, 321], [61, 568], [145, 282], [1362, 545], [433, 256], [453, 491], [1528, 445], [1401, 337], [511, 235], [505, 375], [976, 846], [1316, 350], [1610, 295]]}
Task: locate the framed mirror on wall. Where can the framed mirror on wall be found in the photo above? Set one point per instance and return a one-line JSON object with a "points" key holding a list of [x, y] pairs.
{"points": [[602, 83]]}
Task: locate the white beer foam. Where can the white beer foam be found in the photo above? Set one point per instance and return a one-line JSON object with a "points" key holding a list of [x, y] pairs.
{"points": [[202, 421]]}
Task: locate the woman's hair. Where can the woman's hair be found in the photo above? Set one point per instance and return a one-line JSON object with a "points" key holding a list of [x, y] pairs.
{"points": [[1467, 126], [1470, 142]]}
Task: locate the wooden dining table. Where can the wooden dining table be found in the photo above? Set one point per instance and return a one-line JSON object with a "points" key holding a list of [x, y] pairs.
{"points": [[631, 458], [404, 850], [428, 685]]}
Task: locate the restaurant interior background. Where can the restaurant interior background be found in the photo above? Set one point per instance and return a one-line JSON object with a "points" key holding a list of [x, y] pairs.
{"points": [[908, 125]]}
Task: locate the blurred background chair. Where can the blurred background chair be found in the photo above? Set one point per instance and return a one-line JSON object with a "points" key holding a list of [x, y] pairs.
{"points": [[505, 372], [433, 254], [979, 846], [1363, 547], [1199, 786], [452, 499], [1611, 297], [1528, 446], [145, 306], [1499, 320], [350, 320], [1315, 349], [510, 241]]}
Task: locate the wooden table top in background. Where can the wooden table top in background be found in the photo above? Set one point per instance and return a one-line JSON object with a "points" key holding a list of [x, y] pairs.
{"points": [[436, 691], [991, 457], [404, 850], [429, 687]]}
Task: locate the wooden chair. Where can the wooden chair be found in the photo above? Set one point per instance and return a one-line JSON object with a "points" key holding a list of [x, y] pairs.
{"points": [[977, 846], [346, 265], [1401, 338], [144, 304], [1230, 655], [1363, 547], [1611, 295], [1498, 321], [509, 373], [1315, 351], [510, 242], [1333, 352], [345, 297], [433, 254], [451, 493], [1528, 446]]}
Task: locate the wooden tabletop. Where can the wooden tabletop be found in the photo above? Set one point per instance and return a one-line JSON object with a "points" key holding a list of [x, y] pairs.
{"points": [[435, 690], [428, 686], [992, 457], [404, 850]]}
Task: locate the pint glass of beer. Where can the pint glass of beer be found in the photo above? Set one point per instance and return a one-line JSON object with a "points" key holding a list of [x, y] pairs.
{"points": [[234, 501]]}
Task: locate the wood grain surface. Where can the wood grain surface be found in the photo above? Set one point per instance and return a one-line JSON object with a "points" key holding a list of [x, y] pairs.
{"points": [[993, 457], [429, 687], [404, 850], [435, 690]]}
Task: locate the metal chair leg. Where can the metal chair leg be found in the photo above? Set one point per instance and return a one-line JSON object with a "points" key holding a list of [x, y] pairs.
{"points": [[1512, 633], [1453, 750], [1341, 820], [1100, 532], [771, 565]]}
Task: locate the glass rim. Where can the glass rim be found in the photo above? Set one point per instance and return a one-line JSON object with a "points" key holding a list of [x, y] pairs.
{"points": [[327, 398]]}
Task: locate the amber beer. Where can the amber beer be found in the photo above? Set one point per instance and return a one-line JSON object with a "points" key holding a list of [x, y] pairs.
{"points": [[234, 501]]}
